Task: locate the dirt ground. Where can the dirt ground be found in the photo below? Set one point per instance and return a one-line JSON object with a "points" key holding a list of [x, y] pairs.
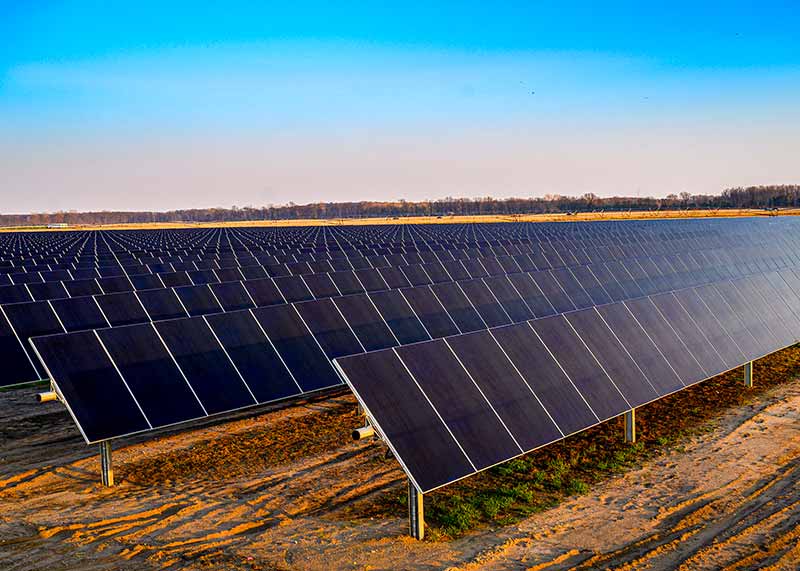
{"points": [[277, 491]]}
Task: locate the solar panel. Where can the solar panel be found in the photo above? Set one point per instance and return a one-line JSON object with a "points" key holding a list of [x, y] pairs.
{"points": [[416, 434], [95, 394], [232, 296], [198, 300], [329, 328], [491, 312], [399, 316], [79, 314], [431, 313], [18, 368], [151, 374], [122, 309], [254, 356], [547, 379], [464, 410], [367, 324], [297, 347], [162, 304], [204, 363], [510, 396], [458, 306], [580, 365]]}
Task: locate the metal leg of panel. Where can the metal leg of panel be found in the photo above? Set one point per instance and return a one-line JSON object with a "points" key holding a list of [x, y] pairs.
{"points": [[106, 468], [748, 375], [416, 515], [630, 426], [360, 410]]}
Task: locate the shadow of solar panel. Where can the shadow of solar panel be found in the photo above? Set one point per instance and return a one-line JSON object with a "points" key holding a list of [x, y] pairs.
{"points": [[254, 356], [458, 307], [329, 327], [79, 313], [400, 318], [122, 309], [151, 374], [581, 367], [365, 321], [554, 389], [88, 381], [510, 396], [297, 347], [205, 364], [430, 311]]}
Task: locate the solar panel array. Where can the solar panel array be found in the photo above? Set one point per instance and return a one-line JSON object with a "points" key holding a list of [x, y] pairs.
{"points": [[566, 299]]}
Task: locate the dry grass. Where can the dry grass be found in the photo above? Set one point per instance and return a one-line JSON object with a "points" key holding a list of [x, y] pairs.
{"points": [[578, 217]]}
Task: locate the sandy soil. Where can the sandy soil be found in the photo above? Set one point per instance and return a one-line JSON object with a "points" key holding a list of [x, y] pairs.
{"points": [[276, 492], [555, 217]]}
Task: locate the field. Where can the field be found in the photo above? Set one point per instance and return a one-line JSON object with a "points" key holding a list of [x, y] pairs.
{"points": [[712, 483], [578, 217]]}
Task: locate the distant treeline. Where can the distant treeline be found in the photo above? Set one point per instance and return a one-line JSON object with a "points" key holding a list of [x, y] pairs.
{"points": [[776, 196]]}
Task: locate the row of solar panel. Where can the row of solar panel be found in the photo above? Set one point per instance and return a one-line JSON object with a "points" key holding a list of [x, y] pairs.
{"points": [[242, 358], [449, 408], [446, 310], [541, 257], [436, 271]]}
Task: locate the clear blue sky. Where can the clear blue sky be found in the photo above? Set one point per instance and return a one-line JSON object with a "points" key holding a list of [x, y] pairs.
{"points": [[157, 105]]}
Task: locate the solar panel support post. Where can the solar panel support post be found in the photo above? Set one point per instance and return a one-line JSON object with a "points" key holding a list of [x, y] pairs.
{"points": [[416, 515], [630, 426], [748, 375], [106, 468]]}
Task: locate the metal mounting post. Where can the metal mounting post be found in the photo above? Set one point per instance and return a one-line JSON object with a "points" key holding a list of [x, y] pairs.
{"points": [[630, 426], [106, 469], [748, 375], [416, 515]]}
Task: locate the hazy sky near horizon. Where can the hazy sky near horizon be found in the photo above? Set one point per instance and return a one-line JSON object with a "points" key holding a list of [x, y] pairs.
{"points": [[160, 105]]}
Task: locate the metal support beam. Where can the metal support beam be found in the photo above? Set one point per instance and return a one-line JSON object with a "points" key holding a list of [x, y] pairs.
{"points": [[360, 410], [630, 426], [106, 469], [416, 515], [748, 375]]}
